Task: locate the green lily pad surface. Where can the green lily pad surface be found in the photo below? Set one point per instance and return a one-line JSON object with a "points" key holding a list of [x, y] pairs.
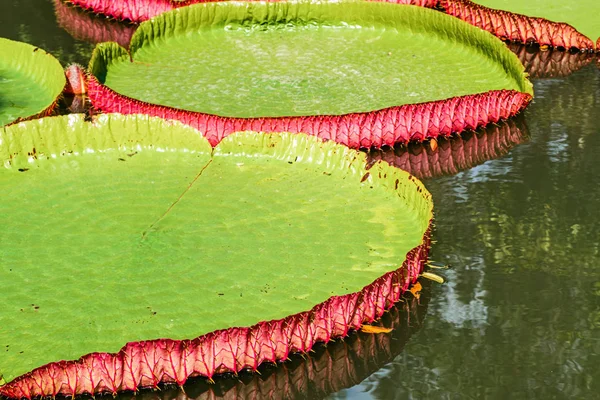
{"points": [[30, 80], [239, 59], [132, 228], [583, 15]]}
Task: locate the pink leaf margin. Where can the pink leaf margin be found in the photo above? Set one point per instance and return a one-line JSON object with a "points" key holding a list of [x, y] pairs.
{"points": [[386, 127], [517, 27], [146, 364]]}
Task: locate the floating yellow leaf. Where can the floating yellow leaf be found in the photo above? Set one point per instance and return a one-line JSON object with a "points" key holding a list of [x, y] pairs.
{"points": [[374, 329], [433, 277], [433, 144], [416, 290]]}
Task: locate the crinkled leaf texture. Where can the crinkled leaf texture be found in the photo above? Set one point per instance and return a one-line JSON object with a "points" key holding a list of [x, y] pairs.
{"points": [[363, 74], [30, 81], [134, 229]]}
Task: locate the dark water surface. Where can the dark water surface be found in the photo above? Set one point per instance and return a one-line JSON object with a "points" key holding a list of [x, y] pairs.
{"points": [[520, 314]]}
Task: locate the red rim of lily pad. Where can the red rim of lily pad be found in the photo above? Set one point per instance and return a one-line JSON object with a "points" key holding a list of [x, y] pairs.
{"points": [[387, 126], [413, 122], [330, 368], [517, 27]]}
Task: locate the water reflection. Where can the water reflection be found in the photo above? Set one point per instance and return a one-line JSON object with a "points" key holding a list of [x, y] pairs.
{"points": [[86, 26], [454, 154], [330, 368], [521, 316], [32, 21], [550, 63]]}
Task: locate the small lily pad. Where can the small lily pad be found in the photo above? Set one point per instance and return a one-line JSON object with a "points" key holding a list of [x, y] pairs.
{"points": [[30, 81], [133, 229]]}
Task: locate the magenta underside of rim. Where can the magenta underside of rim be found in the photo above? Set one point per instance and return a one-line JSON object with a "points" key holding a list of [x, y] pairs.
{"points": [[413, 122], [145, 364], [130, 10]]}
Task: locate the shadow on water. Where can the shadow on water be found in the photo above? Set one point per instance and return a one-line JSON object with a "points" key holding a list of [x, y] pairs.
{"points": [[32, 21]]}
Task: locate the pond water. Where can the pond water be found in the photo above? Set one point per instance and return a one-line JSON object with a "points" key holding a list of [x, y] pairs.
{"points": [[519, 316]]}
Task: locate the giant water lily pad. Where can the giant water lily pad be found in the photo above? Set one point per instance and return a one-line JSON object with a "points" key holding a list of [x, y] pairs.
{"points": [[30, 81], [132, 229], [361, 73]]}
